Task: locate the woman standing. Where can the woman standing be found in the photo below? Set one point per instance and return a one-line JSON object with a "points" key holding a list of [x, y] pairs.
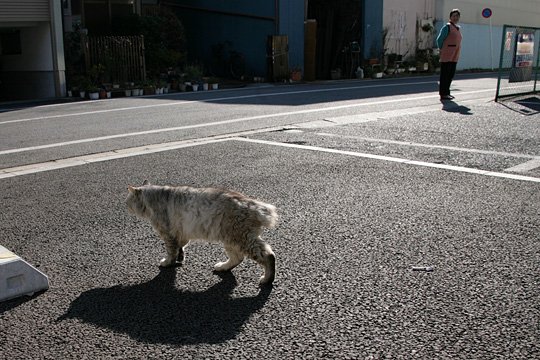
{"points": [[449, 42]]}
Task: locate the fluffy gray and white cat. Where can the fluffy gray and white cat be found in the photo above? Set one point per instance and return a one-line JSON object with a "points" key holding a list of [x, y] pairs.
{"points": [[184, 213]]}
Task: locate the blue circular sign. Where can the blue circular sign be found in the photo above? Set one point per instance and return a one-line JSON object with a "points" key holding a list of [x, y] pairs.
{"points": [[486, 12]]}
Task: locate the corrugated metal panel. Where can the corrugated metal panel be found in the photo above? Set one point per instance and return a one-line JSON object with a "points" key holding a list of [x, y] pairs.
{"points": [[24, 10]]}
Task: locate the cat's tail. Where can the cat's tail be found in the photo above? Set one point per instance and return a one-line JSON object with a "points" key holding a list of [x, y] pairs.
{"points": [[266, 214]]}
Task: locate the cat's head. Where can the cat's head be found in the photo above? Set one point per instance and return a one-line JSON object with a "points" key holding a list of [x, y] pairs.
{"points": [[134, 200]]}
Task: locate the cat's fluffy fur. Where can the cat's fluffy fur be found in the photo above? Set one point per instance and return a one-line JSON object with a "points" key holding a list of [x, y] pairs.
{"points": [[184, 213]]}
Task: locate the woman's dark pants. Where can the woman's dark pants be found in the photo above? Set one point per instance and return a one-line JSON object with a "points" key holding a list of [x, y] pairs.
{"points": [[448, 70]]}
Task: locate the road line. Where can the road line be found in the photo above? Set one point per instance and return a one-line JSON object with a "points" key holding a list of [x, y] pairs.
{"points": [[177, 103], [378, 115], [403, 98], [185, 102], [526, 166], [119, 154], [397, 160], [430, 146], [145, 150]]}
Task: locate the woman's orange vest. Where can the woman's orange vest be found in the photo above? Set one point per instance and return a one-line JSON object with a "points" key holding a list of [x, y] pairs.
{"points": [[451, 45]]}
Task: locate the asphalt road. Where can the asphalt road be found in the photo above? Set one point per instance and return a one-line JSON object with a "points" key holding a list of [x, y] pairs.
{"points": [[371, 179]]}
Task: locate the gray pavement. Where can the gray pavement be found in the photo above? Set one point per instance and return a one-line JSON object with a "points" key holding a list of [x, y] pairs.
{"points": [[354, 221]]}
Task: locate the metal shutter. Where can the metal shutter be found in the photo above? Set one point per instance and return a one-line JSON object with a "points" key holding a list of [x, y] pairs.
{"points": [[24, 10]]}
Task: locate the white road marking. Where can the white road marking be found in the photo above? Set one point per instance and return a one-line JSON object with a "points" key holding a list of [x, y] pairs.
{"points": [[184, 102], [430, 146], [118, 154], [526, 166], [393, 159], [145, 150], [403, 98], [378, 115]]}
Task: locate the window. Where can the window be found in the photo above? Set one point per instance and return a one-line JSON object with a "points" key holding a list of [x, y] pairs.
{"points": [[10, 42]]}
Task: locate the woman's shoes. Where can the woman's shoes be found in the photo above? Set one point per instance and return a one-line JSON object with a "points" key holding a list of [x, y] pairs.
{"points": [[447, 97]]}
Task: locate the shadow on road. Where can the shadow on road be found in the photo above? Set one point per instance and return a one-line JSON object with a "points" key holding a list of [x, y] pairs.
{"points": [[451, 106], [157, 312], [526, 106]]}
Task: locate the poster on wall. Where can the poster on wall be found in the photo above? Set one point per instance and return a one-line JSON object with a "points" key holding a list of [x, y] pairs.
{"points": [[523, 57]]}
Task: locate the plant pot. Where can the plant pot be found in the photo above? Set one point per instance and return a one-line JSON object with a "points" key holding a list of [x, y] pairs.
{"points": [[215, 86], [127, 92], [296, 75], [195, 87], [150, 90], [93, 95], [82, 94], [205, 86]]}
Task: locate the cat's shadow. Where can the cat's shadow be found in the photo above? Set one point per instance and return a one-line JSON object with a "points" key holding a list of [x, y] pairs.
{"points": [[157, 312]]}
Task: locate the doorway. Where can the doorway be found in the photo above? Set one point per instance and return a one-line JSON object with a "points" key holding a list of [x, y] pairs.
{"points": [[338, 37]]}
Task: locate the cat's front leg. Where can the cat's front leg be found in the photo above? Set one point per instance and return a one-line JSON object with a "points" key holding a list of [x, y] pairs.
{"points": [[171, 246]]}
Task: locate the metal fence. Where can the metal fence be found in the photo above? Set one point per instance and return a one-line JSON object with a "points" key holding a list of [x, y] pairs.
{"points": [[119, 58], [519, 60]]}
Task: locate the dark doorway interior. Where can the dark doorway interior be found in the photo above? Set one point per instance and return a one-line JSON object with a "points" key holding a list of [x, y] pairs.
{"points": [[338, 32]]}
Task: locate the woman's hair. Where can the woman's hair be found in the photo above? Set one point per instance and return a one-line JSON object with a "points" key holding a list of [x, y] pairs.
{"points": [[455, 11]]}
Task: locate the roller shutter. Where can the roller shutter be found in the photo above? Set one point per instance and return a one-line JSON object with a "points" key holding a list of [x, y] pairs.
{"points": [[24, 10]]}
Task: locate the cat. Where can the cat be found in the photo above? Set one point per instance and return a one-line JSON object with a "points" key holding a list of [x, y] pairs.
{"points": [[184, 213]]}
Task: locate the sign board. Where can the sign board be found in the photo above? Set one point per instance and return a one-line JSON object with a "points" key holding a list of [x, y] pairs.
{"points": [[486, 13], [523, 56]]}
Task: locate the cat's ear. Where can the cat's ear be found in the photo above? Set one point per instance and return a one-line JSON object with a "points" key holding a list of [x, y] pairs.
{"points": [[146, 182], [134, 190]]}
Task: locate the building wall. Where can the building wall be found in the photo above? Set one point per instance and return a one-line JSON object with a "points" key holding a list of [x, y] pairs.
{"points": [[372, 12], [516, 12], [38, 71], [246, 25], [481, 44], [477, 51], [291, 23]]}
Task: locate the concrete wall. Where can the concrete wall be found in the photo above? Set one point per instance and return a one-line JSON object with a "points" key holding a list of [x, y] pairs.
{"points": [[480, 49], [517, 12], [476, 51], [30, 75]]}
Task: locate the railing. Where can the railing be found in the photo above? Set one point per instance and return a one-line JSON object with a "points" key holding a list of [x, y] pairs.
{"points": [[518, 65], [120, 58]]}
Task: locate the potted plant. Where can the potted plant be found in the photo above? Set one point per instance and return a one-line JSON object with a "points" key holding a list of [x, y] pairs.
{"points": [[149, 88], [296, 73], [214, 83], [137, 89], [93, 92], [193, 74]]}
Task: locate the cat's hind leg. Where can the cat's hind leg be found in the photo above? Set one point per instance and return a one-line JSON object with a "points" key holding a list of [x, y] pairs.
{"points": [[235, 258], [262, 253], [182, 243]]}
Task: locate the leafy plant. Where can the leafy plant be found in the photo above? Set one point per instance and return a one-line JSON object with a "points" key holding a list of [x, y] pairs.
{"points": [[193, 73]]}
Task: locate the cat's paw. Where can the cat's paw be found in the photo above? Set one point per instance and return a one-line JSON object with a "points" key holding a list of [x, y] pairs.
{"points": [[266, 279], [221, 266], [166, 262]]}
